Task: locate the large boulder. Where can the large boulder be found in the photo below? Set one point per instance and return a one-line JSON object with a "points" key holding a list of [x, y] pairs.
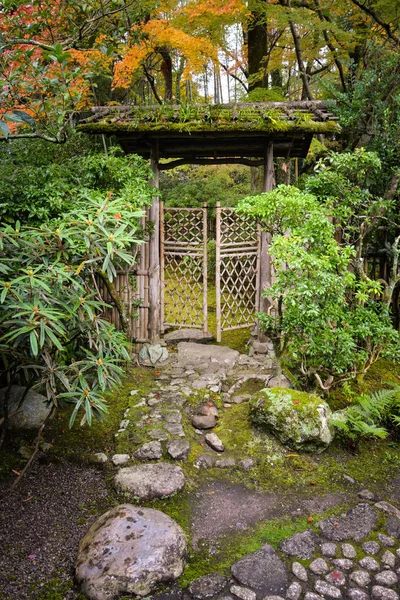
{"points": [[151, 481], [129, 550], [31, 413], [299, 420]]}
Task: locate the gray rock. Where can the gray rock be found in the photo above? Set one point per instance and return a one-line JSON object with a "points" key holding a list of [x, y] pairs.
{"points": [[33, 411], [204, 421], [260, 347], [207, 359], [157, 353], [356, 594], [326, 589], [99, 457], [319, 566], [388, 508], [27, 451], [187, 335], [301, 545], [360, 578], [246, 463], [158, 435], [129, 550], [149, 451], [356, 524], [225, 463], [349, 551], [312, 596], [343, 563], [393, 527], [120, 459], [385, 540], [207, 586], [153, 401], [349, 479], [207, 410], [214, 442], [369, 563], [329, 549], [151, 481], [178, 449], [371, 547], [173, 416], [273, 598], [263, 571], [300, 571], [203, 461], [336, 578], [174, 429], [301, 425], [243, 593], [389, 559], [386, 578], [294, 591], [383, 593], [240, 398], [124, 423], [366, 495]]}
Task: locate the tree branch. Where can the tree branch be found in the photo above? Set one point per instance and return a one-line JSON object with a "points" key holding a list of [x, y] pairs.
{"points": [[371, 13]]}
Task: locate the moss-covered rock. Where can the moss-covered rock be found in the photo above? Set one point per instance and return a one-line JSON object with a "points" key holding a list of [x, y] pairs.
{"points": [[297, 419]]}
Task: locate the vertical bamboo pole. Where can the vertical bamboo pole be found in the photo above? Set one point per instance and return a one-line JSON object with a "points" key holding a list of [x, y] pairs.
{"points": [[162, 268], [265, 261], [205, 270], [218, 269], [154, 254]]}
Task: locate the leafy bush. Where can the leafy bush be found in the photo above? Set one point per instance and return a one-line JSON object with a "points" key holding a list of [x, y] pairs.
{"points": [[323, 317], [52, 333]]}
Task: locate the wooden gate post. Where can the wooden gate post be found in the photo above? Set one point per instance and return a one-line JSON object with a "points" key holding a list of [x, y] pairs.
{"points": [[154, 255], [265, 260]]}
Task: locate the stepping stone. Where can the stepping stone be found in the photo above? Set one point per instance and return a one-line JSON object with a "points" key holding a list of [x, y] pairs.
{"points": [[240, 398], [393, 527], [349, 551], [312, 596], [206, 410], [246, 463], [99, 457], [299, 571], [263, 571], [369, 563], [187, 335], [178, 449], [243, 593], [356, 594], [214, 442], [149, 451], [204, 421], [225, 463], [360, 578], [173, 416], [336, 578], [326, 589], [366, 495], [207, 586], [328, 549], [294, 591], [175, 429], [343, 563], [386, 578], [383, 593], [120, 459], [301, 545], [319, 566], [385, 540], [388, 508], [356, 525], [389, 559], [203, 461], [151, 481], [158, 435], [208, 359], [130, 550], [371, 547]]}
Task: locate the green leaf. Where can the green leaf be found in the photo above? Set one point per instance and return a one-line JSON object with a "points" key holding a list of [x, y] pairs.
{"points": [[4, 129], [33, 342]]}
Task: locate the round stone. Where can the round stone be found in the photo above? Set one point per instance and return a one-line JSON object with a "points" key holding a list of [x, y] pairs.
{"points": [[385, 540], [329, 549], [294, 591], [149, 451], [336, 578], [178, 449], [319, 566], [356, 594], [129, 550], [326, 589], [299, 571], [301, 545], [369, 563], [343, 563], [360, 578], [349, 551], [312, 596], [383, 593], [120, 459], [386, 578], [243, 593], [151, 481], [389, 559], [371, 547]]}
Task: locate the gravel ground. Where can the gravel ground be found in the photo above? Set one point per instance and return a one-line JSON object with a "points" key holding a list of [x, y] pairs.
{"points": [[41, 525]]}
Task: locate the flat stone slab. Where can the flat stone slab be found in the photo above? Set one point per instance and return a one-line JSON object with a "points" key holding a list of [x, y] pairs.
{"points": [[206, 358], [207, 586], [262, 571], [129, 550], [151, 481], [301, 545], [188, 335], [356, 525]]}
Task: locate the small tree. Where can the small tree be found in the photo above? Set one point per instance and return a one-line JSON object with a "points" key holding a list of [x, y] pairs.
{"points": [[52, 333], [323, 318]]}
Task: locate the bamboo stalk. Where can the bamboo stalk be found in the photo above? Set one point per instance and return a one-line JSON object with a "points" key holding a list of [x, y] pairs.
{"points": [[205, 270], [218, 270], [162, 269]]}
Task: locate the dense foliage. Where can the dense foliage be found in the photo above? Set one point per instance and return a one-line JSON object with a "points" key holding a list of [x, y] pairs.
{"points": [[53, 335]]}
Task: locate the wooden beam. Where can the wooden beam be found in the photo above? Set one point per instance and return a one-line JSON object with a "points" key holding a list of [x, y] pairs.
{"points": [[210, 161], [154, 251], [265, 260]]}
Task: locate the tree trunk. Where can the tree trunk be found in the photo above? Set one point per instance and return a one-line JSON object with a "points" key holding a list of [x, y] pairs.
{"points": [[257, 47], [166, 70]]}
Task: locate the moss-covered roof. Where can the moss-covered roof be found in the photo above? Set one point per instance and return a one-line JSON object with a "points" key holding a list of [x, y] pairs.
{"points": [[216, 131]]}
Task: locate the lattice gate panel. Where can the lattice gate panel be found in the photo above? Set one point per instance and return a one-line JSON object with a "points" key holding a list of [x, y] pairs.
{"points": [[237, 270], [183, 248]]}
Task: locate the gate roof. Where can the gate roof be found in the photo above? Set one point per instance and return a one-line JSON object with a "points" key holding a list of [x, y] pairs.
{"points": [[216, 132]]}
